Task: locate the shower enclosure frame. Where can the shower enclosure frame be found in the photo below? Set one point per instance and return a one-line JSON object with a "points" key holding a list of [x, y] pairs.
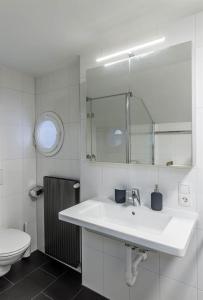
{"points": [[127, 95]]}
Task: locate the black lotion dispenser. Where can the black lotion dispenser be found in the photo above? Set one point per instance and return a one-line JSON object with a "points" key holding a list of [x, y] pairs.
{"points": [[156, 199]]}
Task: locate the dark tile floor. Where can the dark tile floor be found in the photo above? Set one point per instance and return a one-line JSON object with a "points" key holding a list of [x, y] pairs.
{"points": [[42, 278]]}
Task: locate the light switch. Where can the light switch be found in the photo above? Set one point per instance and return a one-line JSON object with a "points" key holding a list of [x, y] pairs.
{"points": [[184, 189]]}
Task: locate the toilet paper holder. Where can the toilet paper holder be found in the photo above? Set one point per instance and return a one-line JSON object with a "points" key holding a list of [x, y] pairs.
{"points": [[35, 192]]}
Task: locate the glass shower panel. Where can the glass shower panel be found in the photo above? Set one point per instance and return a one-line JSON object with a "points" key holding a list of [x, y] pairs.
{"points": [[141, 133], [109, 129]]}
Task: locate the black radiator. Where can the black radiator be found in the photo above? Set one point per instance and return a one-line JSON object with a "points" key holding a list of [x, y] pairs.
{"points": [[62, 240]]}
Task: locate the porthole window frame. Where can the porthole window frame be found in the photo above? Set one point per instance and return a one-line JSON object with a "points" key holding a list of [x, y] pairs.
{"points": [[56, 120]]}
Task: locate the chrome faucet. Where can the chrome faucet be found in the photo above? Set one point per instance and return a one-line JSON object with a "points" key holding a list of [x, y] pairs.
{"points": [[136, 197]]}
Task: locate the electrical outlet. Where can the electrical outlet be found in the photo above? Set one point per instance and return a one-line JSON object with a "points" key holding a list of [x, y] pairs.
{"points": [[184, 200]]}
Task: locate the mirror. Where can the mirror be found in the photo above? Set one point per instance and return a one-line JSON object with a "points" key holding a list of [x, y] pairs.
{"points": [[140, 111]]}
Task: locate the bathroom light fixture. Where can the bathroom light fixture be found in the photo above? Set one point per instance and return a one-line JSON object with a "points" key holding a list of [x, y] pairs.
{"points": [[131, 57], [136, 48]]}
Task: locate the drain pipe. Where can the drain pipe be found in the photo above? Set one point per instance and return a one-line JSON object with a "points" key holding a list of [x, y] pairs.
{"points": [[132, 266]]}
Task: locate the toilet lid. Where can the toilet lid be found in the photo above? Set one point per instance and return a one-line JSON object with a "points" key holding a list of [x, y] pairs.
{"points": [[13, 240]]}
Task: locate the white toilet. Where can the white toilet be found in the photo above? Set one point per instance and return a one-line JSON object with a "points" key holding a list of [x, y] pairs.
{"points": [[14, 244]]}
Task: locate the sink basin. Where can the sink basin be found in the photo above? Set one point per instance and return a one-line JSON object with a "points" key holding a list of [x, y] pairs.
{"points": [[138, 219], [168, 231]]}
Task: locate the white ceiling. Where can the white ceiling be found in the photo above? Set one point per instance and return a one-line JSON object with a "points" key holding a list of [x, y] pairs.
{"points": [[38, 36]]}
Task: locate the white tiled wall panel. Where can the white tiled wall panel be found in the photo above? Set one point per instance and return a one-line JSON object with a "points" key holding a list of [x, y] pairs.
{"points": [[161, 277], [17, 154], [59, 92], [93, 269], [140, 292], [172, 289]]}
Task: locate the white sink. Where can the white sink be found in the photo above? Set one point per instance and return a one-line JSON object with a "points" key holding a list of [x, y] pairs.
{"points": [[168, 231]]}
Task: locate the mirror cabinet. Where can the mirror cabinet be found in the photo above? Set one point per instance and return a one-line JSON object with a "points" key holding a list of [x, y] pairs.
{"points": [[139, 111]]}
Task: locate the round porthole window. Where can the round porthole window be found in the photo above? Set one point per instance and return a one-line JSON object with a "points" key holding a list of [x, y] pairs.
{"points": [[49, 134]]}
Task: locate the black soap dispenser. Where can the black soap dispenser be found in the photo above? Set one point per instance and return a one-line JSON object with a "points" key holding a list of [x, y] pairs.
{"points": [[156, 199]]}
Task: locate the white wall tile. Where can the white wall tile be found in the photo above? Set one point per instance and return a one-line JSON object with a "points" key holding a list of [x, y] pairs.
{"points": [[12, 210], [11, 141], [145, 179], [169, 180], [199, 195], [152, 263], [114, 177], [48, 166], [2, 213], [59, 79], [28, 143], [13, 177], [114, 248], [10, 107], [199, 29], [57, 167], [181, 269], [29, 173], [200, 295], [91, 181], [199, 137], [71, 145], [146, 286], [171, 289], [32, 230], [40, 224], [17, 109], [115, 287], [92, 240], [64, 102], [199, 76], [58, 91], [28, 109], [29, 209], [200, 259], [45, 167], [68, 168], [92, 275]]}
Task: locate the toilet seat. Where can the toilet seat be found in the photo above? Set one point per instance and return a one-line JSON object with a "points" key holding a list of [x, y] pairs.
{"points": [[13, 241]]}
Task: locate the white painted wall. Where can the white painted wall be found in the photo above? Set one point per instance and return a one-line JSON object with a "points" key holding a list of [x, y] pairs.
{"points": [[17, 154], [59, 92], [162, 277]]}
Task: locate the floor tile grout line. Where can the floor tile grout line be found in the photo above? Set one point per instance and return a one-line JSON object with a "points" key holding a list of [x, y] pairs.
{"points": [[47, 296], [14, 284], [9, 280], [26, 274], [48, 273], [41, 293], [44, 263], [43, 290], [82, 287], [77, 293], [8, 288], [37, 268]]}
